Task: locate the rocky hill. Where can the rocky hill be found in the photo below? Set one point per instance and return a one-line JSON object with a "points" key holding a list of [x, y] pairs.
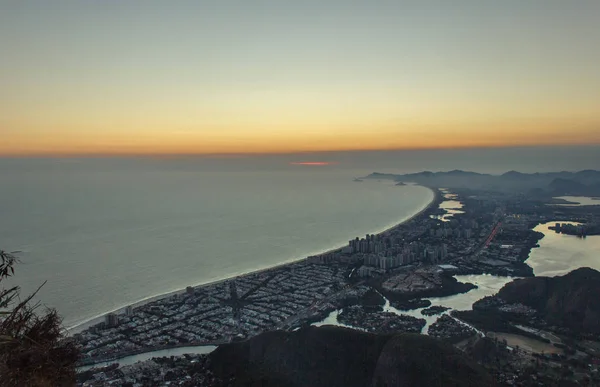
{"points": [[334, 356], [570, 301]]}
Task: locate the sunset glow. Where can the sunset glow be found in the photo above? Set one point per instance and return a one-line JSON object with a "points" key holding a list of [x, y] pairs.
{"points": [[312, 163], [106, 78]]}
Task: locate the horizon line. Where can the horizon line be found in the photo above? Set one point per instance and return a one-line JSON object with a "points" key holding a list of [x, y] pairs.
{"points": [[275, 153]]}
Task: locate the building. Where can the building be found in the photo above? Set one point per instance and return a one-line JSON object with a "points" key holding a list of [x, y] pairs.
{"points": [[368, 244], [365, 271], [111, 320]]}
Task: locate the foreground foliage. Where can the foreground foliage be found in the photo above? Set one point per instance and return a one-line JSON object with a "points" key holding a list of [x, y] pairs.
{"points": [[33, 348]]}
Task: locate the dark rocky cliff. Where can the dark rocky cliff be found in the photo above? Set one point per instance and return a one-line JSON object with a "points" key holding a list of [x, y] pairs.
{"points": [[572, 300], [334, 356]]}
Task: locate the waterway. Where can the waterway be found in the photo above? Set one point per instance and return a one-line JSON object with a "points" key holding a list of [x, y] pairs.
{"points": [[129, 360], [579, 201], [487, 285]]}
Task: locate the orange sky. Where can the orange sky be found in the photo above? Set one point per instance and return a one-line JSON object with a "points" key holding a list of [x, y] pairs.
{"points": [[283, 143], [107, 78]]}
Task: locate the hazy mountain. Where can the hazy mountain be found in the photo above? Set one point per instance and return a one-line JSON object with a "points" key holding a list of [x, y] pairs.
{"points": [[567, 187], [586, 182]]}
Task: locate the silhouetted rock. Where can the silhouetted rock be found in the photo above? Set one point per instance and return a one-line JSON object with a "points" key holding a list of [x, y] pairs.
{"points": [[334, 356], [569, 301]]}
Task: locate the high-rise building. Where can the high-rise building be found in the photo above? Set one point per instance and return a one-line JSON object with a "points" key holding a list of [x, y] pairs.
{"points": [[443, 251], [111, 320]]}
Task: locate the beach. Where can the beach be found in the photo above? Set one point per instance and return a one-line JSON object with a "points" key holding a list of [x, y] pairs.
{"points": [[436, 200]]}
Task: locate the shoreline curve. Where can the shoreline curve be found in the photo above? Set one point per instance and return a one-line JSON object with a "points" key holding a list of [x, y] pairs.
{"points": [[78, 327]]}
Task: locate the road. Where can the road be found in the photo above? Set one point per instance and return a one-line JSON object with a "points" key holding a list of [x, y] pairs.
{"points": [[487, 241]]}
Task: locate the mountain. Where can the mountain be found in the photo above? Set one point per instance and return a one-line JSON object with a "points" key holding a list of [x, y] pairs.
{"points": [[335, 356], [569, 301], [514, 175], [567, 187], [582, 183], [595, 188]]}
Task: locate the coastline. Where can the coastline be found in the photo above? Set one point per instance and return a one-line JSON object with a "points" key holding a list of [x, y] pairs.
{"points": [[78, 327]]}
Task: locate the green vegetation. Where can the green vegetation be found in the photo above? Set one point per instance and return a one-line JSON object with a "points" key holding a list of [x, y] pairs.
{"points": [[33, 349], [569, 302]]}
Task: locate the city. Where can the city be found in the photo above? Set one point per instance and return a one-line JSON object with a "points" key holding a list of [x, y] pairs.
{"points": [[484, 233]]}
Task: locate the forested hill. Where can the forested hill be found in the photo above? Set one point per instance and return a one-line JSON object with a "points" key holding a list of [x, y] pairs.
{"points": [[571, 301]]}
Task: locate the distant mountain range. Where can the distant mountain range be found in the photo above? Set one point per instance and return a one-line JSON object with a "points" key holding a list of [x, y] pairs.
{"points": [[582, 183]]}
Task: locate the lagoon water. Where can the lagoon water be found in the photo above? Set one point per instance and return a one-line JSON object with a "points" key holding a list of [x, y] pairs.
{"points": [[107, 233], [129, 360], [580, 201], [559, 254]]}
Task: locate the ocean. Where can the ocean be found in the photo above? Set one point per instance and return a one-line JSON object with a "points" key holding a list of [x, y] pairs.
{"points": [[103, 237], [108, 232]]}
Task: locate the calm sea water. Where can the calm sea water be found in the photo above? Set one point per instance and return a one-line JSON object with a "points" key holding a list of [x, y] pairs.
{"points": [[106, 234]]}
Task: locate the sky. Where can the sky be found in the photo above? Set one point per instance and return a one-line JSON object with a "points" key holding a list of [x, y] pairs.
{"points": [[195, 77]]}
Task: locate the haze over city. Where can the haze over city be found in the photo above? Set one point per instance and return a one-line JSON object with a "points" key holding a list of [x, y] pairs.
{"points": [[193, 77]]}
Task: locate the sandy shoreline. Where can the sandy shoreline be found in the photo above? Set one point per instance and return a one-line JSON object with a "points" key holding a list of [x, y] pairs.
{"points": [[78, 327]]}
